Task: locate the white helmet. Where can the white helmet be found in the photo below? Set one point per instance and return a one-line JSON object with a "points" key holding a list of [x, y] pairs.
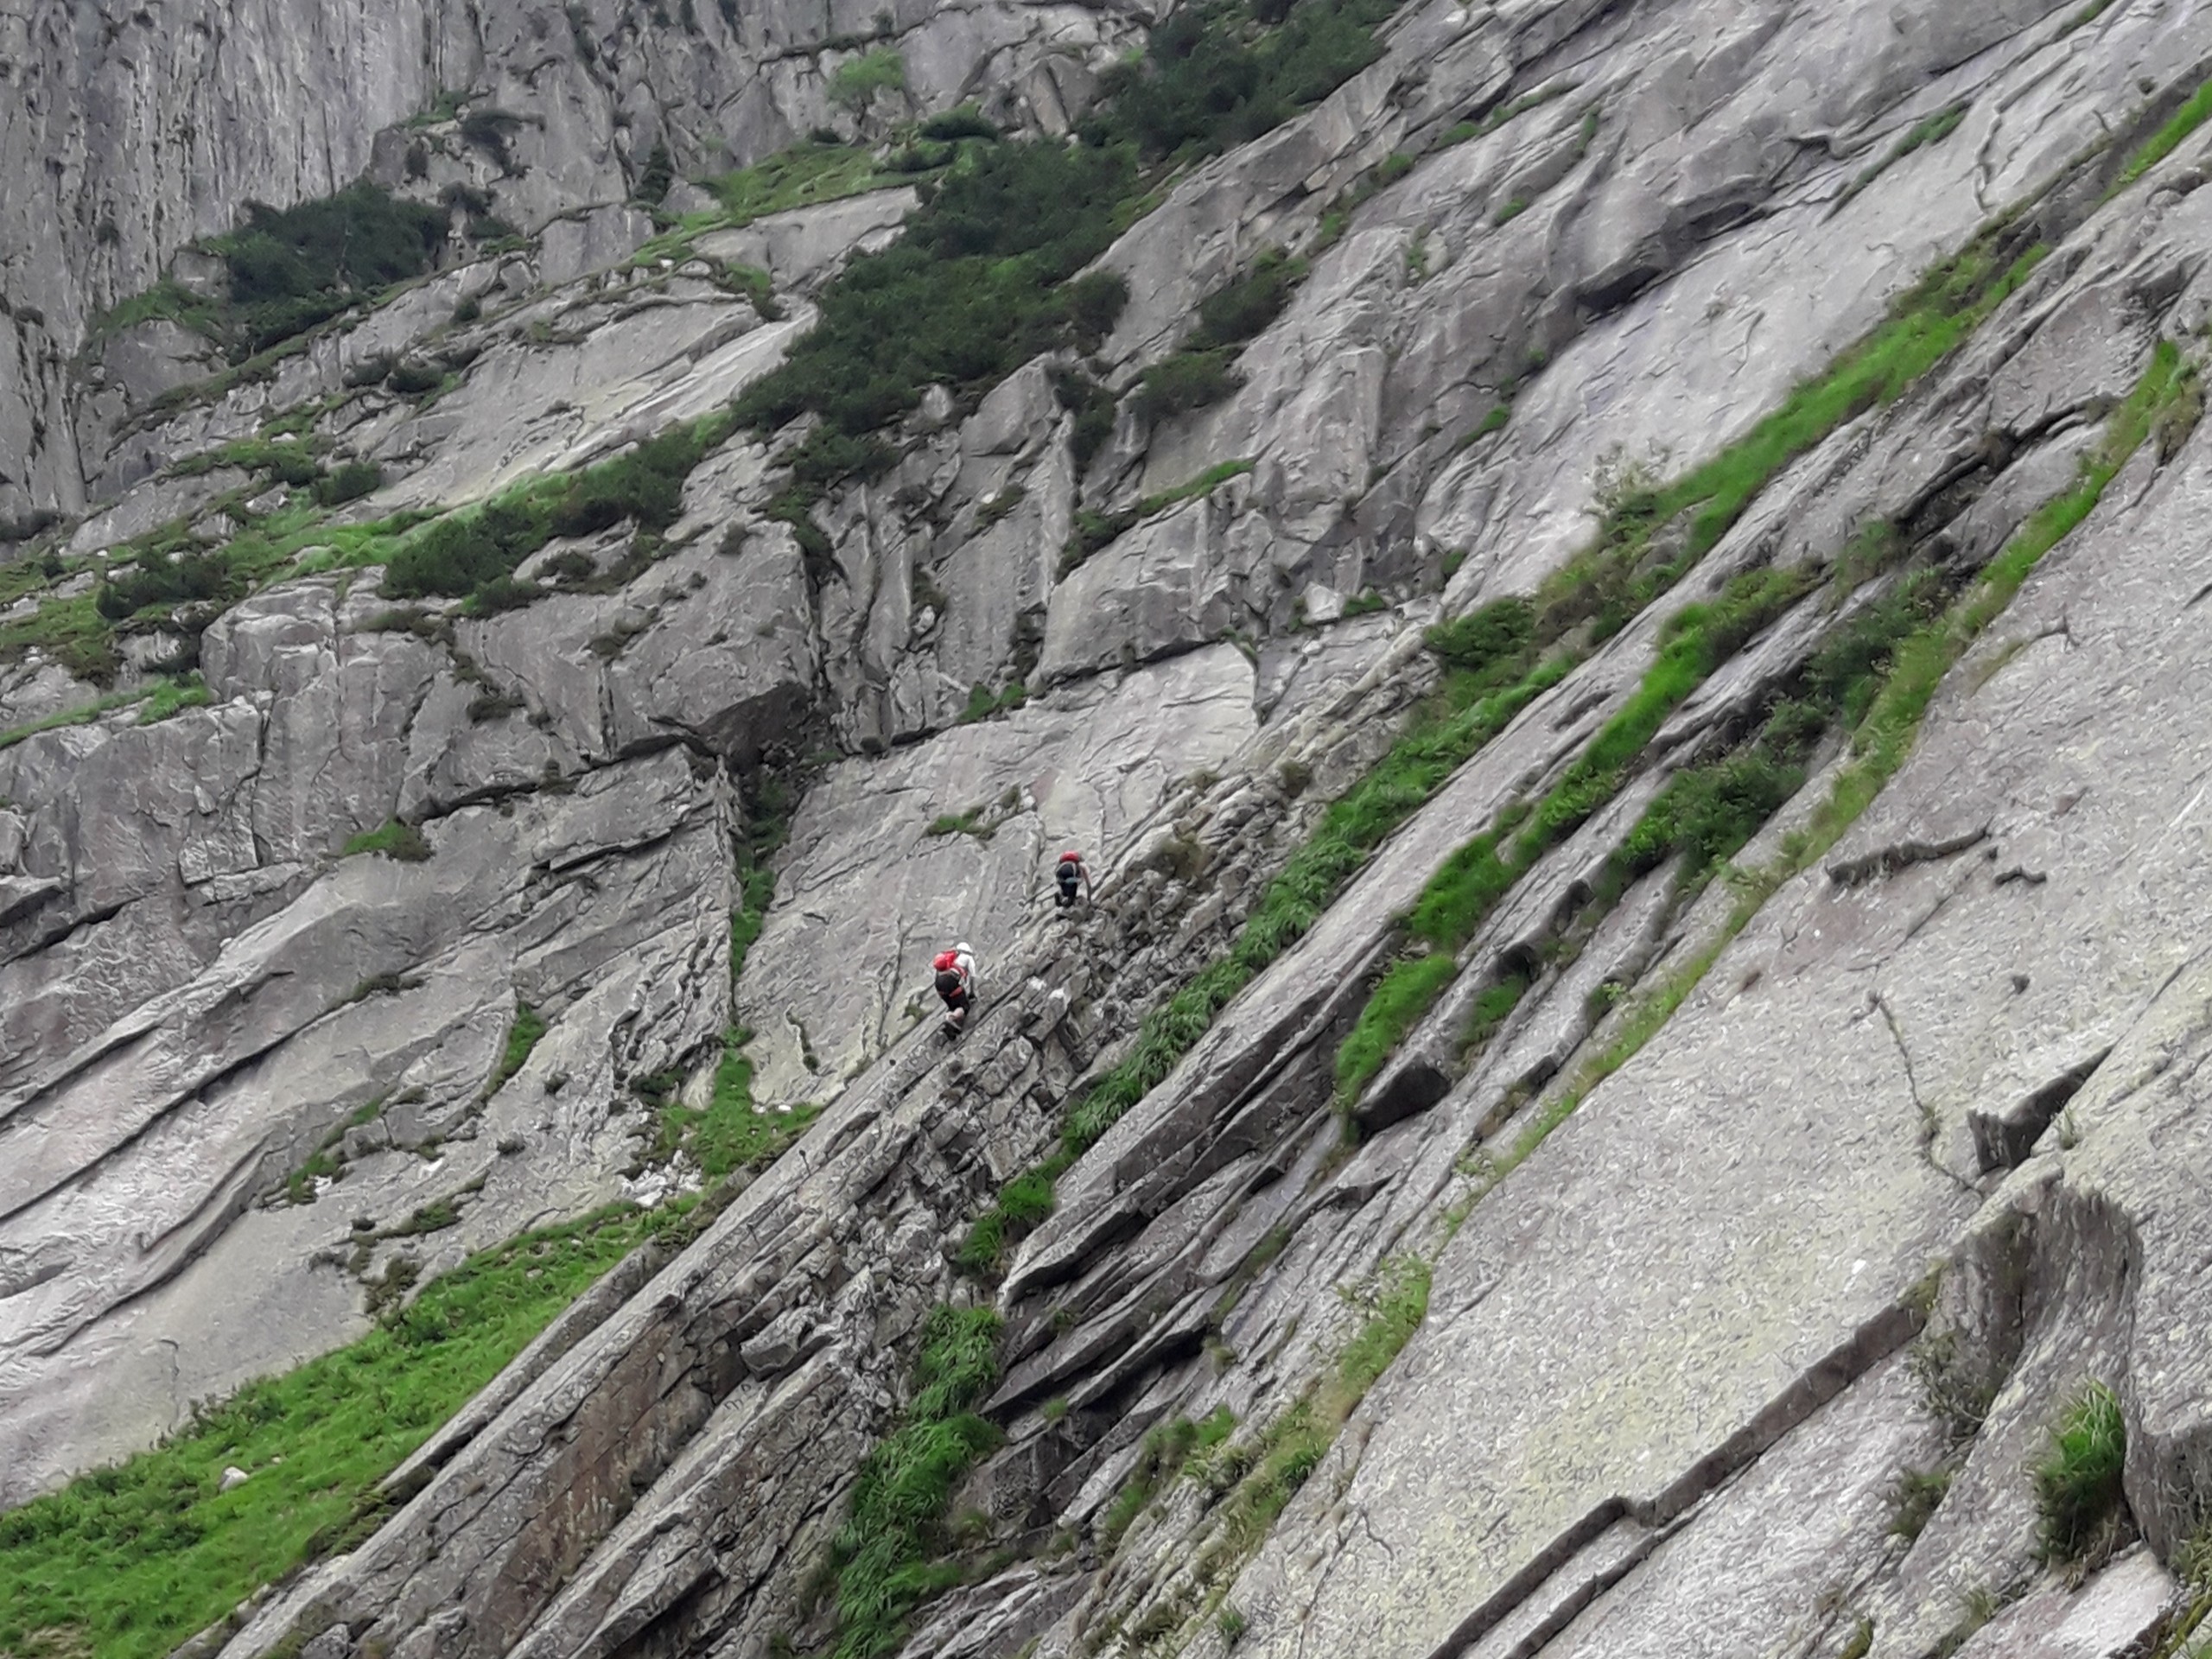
{"points": [[962, 948]]}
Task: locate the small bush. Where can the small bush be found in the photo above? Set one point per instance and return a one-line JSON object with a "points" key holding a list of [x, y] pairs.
{"points": [[965, 122], [292, 269], [348, 482], [1186, 381], [1093, 407], [2078, 1495]]}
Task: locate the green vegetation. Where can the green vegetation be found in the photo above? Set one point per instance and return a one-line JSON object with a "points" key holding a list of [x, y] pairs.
{"points": [[394, 840], [348, 482], [1501, 113], [2168, 138], [475, 552], [730, 1133], [82, 715], [1908, 672], [1931, 131], [1211, 79], [1262, 1475], [173, 697], [1914, 1497], [291, 269], [856, 82], [1093, 530], [522, 1037], [1695, 641], [885, 1557], [983, 703], [127, 1562], [1161, 1456], [2078, 1497], [1198, 372]]}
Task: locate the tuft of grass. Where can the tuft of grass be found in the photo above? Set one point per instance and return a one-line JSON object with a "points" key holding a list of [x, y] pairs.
{"points": [[394, 840], [172, 696], [885, 1556], [1914, 1498], [2077, 1483], [129, 1562], [522, 1037]]}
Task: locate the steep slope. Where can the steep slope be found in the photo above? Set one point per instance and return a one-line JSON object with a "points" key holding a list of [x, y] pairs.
{"points": [[1730, 1030]]}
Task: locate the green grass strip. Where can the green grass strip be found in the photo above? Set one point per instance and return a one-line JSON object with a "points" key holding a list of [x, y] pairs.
{"points": [[885, 1557], [126, 1562], [2168, 138], [1466, 887], [1882, 742]]}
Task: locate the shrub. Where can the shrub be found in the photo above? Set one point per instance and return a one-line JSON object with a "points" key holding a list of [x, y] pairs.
{"points": [[160, 577], [1186, 381], [411, 379], [853, 84], [1094, 303], [654, 182], [290, 270], [1245, 305], [966, 122], [1492, 645], [348, 482], [1093, 407], [970, 291], [1208, 80]]}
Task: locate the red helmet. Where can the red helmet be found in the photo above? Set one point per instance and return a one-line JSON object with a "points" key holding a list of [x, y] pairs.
{"points": [[1070, 857]]}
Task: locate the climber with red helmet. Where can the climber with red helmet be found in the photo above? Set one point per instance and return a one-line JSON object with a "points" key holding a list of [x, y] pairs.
{"points": [[1072, 870], [956, 982]]}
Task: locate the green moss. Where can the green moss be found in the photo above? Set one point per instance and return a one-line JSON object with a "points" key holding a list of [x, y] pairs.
{"points": [[129, 1562]]}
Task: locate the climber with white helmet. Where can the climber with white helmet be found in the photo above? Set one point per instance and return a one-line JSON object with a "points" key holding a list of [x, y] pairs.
{"points": [[956, 982]]}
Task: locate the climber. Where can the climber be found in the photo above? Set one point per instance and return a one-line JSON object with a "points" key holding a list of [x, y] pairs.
{"points": [[955, 983], [1071, 871]]}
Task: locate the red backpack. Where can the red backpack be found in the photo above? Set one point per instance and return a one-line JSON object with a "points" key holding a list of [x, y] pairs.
{"points": [[946, 962]]}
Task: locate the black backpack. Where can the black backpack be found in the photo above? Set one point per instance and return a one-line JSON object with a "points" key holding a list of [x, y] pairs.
{"points": [[948, 983]]}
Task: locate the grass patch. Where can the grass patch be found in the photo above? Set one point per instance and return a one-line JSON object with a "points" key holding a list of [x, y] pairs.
{"points": [[2168, 138], [885, 1557], [129, 1562], [173, 696], [2078, 1497], [1452, 904], [730, 1133], [522, 1037], [392, 839]]}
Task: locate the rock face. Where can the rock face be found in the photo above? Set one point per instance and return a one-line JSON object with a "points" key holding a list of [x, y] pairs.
{"points": [[1700, 1270]]}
